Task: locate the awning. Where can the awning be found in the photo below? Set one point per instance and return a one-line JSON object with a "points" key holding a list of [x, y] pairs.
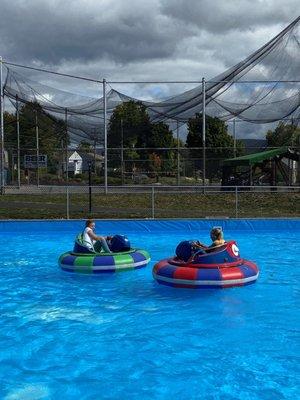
{"points": [[255, 158]]}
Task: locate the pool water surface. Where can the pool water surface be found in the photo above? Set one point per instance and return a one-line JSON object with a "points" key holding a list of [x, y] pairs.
{"points": [[122, 335]]}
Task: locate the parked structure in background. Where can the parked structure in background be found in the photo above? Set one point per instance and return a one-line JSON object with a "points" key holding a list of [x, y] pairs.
{"points": [[78, 162], [74, 163], [265, 167]]}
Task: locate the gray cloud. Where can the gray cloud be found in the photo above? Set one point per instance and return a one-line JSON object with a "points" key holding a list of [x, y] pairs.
{"points": [[137, 40], [54, 31], [219, 16]]}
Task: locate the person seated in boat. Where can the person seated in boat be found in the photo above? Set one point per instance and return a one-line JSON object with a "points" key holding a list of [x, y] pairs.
{"points": [[217, 237], [93, 241]]}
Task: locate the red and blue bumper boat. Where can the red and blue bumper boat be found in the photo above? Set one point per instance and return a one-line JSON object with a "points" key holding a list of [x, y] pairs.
{"points": [[217, 267]]}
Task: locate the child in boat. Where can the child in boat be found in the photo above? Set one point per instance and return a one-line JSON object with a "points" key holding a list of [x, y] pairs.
{"points": [[93, 241], [216, 235]]}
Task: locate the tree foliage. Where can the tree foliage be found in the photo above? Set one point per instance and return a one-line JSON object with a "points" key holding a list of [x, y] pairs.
{"points": [[130, 128], [51, 133], [283, 135], [219, 143]]}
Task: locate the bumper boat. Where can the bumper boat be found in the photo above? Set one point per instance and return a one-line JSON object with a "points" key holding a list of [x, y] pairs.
{"points": [[122, 258], [219, 267]]}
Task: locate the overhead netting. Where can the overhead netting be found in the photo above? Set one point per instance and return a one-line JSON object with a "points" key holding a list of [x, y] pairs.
{"points": [[263, 88]]}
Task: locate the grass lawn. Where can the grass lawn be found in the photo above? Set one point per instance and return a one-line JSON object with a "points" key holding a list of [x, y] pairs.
{"points": [[139, 205]]}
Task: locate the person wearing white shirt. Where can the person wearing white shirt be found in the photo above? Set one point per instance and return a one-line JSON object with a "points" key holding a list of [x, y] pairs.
{"points": [[93, 241]]}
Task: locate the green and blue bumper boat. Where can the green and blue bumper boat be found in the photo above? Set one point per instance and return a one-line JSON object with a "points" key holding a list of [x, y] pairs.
{"points": [[85, 260]]}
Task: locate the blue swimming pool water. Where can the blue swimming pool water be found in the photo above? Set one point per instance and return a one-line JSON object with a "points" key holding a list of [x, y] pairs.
{"points": [[67, 336]]}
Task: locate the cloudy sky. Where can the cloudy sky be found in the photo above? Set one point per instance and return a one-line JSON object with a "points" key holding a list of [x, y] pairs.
{"points": [[137, 40]]}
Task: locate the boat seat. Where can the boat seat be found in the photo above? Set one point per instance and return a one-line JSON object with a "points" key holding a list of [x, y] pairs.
{"points": [[81, 247]]}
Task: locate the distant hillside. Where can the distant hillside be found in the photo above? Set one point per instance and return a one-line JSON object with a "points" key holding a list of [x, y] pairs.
{"points": [[254, 145]]}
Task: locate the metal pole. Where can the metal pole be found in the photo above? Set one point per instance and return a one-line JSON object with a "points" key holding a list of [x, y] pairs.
{"points": [[1, 128], [95, 144], [178, 155], [153, 202], [105, 135], [66, 146], [236, 202], [122, 151], [68, 203], [18, 141], [37, 149], [203, 133], [90, 189], [12, 166], [234, 139]]}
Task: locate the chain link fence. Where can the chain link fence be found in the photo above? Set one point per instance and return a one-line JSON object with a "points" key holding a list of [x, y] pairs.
{"points": [[166, 166], [149, 202]]}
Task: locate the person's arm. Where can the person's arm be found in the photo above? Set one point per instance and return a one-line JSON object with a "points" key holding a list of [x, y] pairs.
{"points": [[93, 236], [199, 245]]}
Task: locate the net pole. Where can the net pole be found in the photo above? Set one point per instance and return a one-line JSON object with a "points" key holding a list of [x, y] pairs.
{"points": [[37, 149], [66, 147], [105, 135], [1, 127], [234, 139], [203, 133], [95, 146], [18, 141], [122, 152], [178, 156]]}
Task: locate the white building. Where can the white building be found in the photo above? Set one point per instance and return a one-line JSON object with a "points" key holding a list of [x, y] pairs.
{"points": [[75, 163]]}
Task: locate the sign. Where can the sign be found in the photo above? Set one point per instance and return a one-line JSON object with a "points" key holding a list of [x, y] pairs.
{"points": [[30, 161]]}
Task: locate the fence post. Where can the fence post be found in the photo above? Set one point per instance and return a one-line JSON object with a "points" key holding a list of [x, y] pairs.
{"points": [[68, 204], [236, 202], [153, 202]]}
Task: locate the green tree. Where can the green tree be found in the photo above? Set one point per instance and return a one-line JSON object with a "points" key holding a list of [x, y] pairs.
{"points": [[85, 147], [283, 135], [128, 127], [219, 144], [9, 130], [51, 132], [131, 128], [129, 123], [162, 137], [155, 164]]}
